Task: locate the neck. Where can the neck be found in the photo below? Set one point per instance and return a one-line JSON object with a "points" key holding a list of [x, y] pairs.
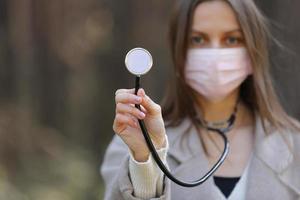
{"points": [[218, 111]]}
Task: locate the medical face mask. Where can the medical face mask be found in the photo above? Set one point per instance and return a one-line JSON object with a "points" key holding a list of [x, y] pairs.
{"points": [[215, 73]]}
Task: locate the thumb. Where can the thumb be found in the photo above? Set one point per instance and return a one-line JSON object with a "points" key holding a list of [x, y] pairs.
{"points": [[151, 107]]}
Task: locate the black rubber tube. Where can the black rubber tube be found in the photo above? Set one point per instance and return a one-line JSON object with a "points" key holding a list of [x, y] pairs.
{"points": [[161, 164]]}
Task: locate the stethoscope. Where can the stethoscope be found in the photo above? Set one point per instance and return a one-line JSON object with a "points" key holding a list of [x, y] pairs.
{"points": [[138, 62]]}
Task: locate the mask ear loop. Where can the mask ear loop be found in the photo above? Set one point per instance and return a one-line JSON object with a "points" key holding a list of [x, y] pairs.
{"points": [[161, 164]]}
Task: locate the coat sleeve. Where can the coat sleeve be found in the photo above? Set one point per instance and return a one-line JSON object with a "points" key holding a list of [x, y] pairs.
{"points": [[116, 174]]}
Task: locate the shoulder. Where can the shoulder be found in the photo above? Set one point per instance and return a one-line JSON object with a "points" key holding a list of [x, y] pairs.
{"points": [[289, 134], [292, 174], [296, 141], [295, 134]]}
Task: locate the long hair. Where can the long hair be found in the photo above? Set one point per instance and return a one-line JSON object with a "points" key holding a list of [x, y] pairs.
{"points": [[256, 91]]}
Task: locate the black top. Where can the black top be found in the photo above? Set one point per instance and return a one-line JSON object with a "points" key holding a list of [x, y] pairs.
{"points": [[226, 184]]}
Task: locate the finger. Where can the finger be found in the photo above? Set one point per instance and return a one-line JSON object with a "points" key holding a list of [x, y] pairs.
{"points": [[121, 120], [127, 98], [125, 108], [143, 109], [151, 107], [131, 91]]}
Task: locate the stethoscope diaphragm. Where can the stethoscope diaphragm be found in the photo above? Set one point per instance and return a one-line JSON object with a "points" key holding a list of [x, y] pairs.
{"points": [[138, 61]]}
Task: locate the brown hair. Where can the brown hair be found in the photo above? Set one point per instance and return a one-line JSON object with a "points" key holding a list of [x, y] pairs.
{"points": [[256, 91]]}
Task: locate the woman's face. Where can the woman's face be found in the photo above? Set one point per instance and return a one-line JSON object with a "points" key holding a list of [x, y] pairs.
{"points": [[215, 26]]}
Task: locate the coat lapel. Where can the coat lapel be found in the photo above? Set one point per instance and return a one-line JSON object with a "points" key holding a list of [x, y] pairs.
{"points": [[186, 149], [272, 149], [270, 165]]}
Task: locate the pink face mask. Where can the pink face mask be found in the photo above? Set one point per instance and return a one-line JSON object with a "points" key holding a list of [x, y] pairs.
{"points": [[215, 73]]}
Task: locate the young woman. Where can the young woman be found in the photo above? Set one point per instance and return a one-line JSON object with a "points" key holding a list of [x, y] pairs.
{"points": [[221, 68]]}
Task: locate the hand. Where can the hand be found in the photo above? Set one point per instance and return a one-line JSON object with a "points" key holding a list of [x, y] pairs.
{"points": [[126, 122]]}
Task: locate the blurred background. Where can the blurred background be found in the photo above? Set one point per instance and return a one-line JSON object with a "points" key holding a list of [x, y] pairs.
{"points": [[61, 63]]}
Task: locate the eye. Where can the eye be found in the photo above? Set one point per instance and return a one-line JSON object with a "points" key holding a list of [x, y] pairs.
{"points": [[197, 40], [233, 41]]}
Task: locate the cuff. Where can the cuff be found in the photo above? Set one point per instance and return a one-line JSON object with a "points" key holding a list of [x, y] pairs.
{"points": [[146, 177]]}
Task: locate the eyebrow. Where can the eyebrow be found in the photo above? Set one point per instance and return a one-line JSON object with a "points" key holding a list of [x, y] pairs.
{"points": [[227, 32]]}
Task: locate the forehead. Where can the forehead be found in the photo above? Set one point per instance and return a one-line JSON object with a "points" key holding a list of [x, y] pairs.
{"points": [[214, 16]]}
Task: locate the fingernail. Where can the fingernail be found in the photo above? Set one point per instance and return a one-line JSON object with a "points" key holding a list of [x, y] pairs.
{"points": [[142, 92], [138, 99], [141, 114]]}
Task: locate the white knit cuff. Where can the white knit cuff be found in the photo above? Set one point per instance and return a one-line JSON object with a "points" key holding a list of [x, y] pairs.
{"points": [[146, 177]]}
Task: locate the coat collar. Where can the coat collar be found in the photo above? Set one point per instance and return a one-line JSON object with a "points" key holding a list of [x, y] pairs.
{"points": [[272, 149]]}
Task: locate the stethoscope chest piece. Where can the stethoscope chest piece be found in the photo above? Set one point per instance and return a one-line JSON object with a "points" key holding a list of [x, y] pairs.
{"points": [[138, 61]]}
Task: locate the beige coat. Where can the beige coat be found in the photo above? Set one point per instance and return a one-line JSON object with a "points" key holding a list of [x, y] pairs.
{"points": [[274, 171]]}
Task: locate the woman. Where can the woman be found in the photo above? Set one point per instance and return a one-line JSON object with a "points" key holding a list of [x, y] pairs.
{"points": [[220, 54]]}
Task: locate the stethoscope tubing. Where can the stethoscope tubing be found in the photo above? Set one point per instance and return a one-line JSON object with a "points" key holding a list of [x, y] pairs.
{"points": [[162, 166]]}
